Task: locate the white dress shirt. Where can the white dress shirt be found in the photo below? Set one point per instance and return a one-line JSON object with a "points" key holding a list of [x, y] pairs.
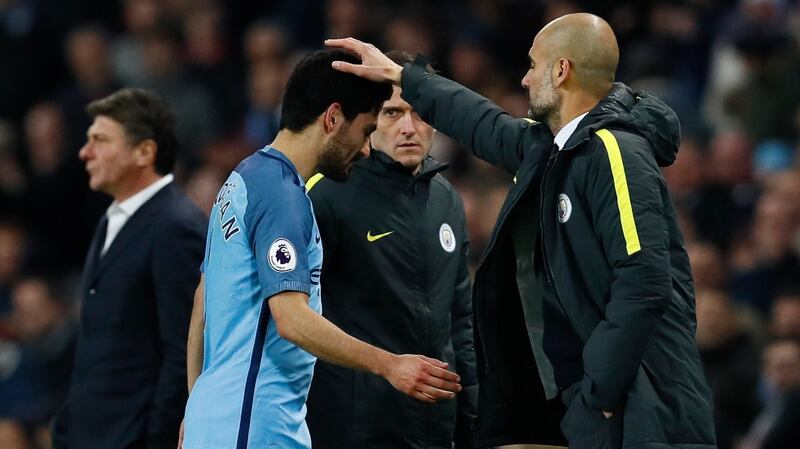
{"points": [[119, 213], [566, 132]]}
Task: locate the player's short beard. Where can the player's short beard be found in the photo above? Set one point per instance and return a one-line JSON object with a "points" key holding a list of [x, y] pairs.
{"points": [[334, 160], [546, 106]]}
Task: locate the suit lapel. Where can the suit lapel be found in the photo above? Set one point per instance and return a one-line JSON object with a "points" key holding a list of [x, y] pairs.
{"points": [[93, 255], [132, 229]]}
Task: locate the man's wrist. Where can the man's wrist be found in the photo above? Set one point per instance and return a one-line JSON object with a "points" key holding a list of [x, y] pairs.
{"points": [[397, 75], [381, 362]]}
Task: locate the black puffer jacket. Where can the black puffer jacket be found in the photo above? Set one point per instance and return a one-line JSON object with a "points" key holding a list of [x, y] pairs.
{"points": [[609, 280], [395, 275]]}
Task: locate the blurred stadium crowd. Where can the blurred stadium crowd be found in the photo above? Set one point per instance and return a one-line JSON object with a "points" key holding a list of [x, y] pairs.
{"points": [[730, 69]]}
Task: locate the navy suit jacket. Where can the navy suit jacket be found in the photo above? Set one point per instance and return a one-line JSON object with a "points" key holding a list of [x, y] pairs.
{"points": [[128, 386]]}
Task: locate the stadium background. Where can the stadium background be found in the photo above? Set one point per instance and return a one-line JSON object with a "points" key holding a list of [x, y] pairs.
{"points": [[729, 68]]}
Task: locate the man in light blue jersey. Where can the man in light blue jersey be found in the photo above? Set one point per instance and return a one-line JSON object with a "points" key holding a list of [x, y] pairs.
{"points": [[256, 326]]}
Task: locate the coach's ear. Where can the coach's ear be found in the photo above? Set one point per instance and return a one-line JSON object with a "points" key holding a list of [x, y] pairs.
{"points": [[145, 153], [332, 118]]}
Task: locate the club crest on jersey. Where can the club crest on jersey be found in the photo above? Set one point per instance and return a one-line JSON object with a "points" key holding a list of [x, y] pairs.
{"points": [[564, 208], [282, 256], [447, 238]]}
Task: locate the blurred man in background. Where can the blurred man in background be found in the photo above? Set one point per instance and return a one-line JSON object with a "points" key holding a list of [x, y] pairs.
{"points": [[776, 426], [128, 382], [729, 350], [395, 274], [36, 354], [785, 313]]}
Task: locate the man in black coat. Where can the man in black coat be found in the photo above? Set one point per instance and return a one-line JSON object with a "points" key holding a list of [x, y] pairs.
{"points": [[395, 275], [585, 284], [128, 385]]}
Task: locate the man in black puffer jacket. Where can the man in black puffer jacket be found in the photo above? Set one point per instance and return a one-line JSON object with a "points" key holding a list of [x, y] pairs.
{"points": [[585, 284]]}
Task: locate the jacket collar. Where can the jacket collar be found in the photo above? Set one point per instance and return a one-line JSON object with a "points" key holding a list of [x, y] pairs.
{"points": [[382, 164], [133, 229], [619, 99], [132, 204], [636, 112], [568, 130]]}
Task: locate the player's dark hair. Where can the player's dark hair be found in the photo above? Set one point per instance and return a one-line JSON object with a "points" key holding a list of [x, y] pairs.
{"points": [[144, 115], [314, 85]]}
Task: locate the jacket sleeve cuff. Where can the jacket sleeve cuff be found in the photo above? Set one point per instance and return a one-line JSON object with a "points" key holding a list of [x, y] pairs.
{"points": [[412, 77]]}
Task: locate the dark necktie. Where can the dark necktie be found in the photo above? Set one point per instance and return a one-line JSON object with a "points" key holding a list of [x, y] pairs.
{"points": [[100, 237]]}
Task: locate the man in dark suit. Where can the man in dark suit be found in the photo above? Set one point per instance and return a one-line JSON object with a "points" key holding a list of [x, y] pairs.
{"points": [[128, 384]]}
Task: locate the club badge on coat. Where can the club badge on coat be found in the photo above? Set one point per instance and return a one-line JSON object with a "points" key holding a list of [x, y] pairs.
{"points": [[447, 238], [564, 208]]}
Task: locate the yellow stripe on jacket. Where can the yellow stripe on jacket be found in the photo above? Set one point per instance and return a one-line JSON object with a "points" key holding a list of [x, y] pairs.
{"points": [[621, 187]]}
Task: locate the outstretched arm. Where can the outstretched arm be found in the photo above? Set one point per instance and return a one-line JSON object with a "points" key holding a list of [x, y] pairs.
{"points": [[471, 119]]}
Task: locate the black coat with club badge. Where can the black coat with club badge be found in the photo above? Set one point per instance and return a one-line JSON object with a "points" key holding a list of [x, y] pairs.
{"points": [[394, 275], [585, 290]]}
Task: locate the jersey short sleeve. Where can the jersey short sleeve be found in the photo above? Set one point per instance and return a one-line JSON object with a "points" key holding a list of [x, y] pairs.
{"points": [[280, 225]]}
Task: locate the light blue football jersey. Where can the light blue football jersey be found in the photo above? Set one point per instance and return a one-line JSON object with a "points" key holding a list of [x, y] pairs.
{"points": [[262, 240]]}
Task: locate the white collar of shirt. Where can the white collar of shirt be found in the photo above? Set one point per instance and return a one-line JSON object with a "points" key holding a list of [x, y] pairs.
{"points": [[566, 132], [119, 213]]}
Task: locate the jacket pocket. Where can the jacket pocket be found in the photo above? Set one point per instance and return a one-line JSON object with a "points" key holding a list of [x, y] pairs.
{"points": [[587, 428]]}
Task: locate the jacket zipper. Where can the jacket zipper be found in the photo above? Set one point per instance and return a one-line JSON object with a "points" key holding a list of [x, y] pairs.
{"points": [[552, 159], [422, 271]]}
